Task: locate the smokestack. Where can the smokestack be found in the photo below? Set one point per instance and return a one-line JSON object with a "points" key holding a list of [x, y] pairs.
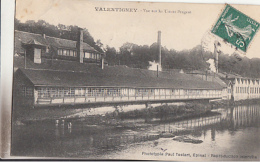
{"points": [[159, 47], [157, 71], [102, 62], [80, 53]]}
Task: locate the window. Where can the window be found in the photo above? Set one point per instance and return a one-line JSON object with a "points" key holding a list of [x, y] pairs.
{"points": [[64, 52], [151, 92], [22, 92], [168, 92], [53, 92], [143, 92], [43, 93], [185, 92], [47, 49], [156, 92], [87, 55], [60, 92], [98, 56], [173, 91], [93, 56], [124, 92], [29, 91], [66, 92], [26, 91], [72, 92], [131, 92], [80, 91], [59, 51], [71, 53]]}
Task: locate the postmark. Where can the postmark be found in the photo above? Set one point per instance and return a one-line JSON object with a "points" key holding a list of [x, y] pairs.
{"points": [[235, 28]]}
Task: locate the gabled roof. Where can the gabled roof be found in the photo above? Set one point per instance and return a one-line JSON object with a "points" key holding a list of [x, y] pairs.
{"points": [[27, 38], [227, 81], [35, 42], [107, 79]]}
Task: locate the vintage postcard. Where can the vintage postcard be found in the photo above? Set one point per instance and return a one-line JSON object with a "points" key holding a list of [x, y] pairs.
{"points": [[102, 80]]}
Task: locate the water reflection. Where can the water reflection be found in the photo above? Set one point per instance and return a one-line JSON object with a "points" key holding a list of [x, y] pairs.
{"points": [[93, 141], [243, 116]]}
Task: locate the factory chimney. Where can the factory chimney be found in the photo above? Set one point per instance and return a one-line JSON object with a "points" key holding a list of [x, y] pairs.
{"points": [[80, 53], [159, 47]]}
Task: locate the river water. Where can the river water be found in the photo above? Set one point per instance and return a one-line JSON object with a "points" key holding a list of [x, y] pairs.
{"points": [[233, 134]]}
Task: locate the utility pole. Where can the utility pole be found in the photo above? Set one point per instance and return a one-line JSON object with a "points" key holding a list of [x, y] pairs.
{"points": [[216, 53]]}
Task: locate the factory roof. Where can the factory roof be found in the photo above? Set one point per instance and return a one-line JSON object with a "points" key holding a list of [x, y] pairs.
{"points": [[125, 78], [26, 38]]}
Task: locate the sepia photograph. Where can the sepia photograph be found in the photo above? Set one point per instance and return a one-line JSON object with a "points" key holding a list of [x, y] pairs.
{"points": [[100, 80]]}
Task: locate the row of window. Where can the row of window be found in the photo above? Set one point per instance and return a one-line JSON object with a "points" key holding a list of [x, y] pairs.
{"points": [[92, 55], [247, 81], [252, 90], [73, 53], [66, 52], [46, 92], [55, 92], [202, 92]]}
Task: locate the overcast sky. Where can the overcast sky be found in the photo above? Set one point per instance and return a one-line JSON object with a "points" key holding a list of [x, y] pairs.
{"points": [[179, 31]]}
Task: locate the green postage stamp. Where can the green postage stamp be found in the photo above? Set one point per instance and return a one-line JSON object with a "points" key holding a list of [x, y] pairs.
{"points": [[236, 28]]}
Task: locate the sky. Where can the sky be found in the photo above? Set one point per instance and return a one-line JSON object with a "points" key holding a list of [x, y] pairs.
{"points": [[179, 30]]}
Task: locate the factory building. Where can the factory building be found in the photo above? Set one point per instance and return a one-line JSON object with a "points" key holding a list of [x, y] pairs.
{"points": [[242, 88], [47, 87], [40, 47]]}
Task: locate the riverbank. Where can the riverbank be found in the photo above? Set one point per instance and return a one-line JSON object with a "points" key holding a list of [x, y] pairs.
{"points": [[127, 116], [117, 115], [225, 103]]}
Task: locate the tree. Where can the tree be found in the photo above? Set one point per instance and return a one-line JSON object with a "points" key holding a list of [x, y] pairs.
{"points": [[60, 31], [111, 55]]}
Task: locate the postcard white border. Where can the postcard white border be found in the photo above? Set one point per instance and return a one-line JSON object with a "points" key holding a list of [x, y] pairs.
{"points": [[7, 32]]}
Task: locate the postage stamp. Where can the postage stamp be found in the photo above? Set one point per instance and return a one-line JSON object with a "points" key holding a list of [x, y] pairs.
{"points": [[236, 28]]}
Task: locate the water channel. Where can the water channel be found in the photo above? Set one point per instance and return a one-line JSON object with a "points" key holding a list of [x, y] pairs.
{"points": [[233, 134]]}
